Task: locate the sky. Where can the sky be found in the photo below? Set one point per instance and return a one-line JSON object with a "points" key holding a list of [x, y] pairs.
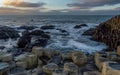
{"points": [[59, 7]]}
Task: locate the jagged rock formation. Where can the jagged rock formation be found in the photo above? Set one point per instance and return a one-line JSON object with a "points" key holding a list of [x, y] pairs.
{"points": [[109, 32], [8, 32]]}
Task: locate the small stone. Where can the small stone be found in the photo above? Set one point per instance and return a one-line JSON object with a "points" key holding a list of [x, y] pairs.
{"points": [[50, 68]]}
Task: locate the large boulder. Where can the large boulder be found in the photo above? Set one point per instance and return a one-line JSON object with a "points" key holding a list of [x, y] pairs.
{"points": [[23, 41], [111, 68], [79, 58], [27, 61], [7, 32], [99, 62], [50, 68], [6, 57], [70, 68], [38, 51], [31, 61], [109, 32]]}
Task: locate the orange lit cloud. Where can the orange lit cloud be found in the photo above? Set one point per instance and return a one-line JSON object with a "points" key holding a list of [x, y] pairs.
{"points": [[21, 3]]}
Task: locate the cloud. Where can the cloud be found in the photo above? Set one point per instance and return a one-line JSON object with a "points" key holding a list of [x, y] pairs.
{"points": [[19, 3], [86, 4], [15, 11]]}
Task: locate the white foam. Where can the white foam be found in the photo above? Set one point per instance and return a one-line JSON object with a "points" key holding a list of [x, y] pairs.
{"points": [[85, 47]]}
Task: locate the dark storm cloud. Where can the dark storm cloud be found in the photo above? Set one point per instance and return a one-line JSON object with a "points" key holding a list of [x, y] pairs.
{"points": [[17, 3], [85, 4]]}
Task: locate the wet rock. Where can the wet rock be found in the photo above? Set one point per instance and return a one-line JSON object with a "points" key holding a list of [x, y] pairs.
{"points": [[17, 51], [6, 57], [56, 59], [23, 41], [27, 27], [92, 73], [112, 56], [111, 68], [46, 36], [41, 42], [58, 72], [40, 63], [67, 56], [108, 32], [50, 68], [7, 32], [48, 27], [79, 58], [2, 47], [62, 30], [99, 62], [4, 69], [18, 71], [50, 52], [27, 61], [37, 32], [71, 68], [31, 61], [89, 32], [80, 26], [38, 51], [25, 33], [118, 50], [21, 61]]}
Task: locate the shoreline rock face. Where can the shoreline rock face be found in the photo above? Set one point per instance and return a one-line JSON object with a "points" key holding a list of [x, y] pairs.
{"points": [[109, 32]]}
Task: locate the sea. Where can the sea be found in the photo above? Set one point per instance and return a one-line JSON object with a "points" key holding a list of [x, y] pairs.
{"points": [[59, 41]]}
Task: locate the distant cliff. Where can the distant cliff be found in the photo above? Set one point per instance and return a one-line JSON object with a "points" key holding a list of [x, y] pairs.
{"points": [[109, 32]]}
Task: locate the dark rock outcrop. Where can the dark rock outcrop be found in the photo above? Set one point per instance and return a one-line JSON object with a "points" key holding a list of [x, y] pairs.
{"points": [[27, 27], [7, 32], [42, 42], [48, 27], [109, 32], [89, 32], [37, 32], [46, 36], [80, 26], [24, 39]]}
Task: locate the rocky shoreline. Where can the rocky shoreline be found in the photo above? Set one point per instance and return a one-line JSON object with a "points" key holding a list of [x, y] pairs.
{"points": [[31, 58]]}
